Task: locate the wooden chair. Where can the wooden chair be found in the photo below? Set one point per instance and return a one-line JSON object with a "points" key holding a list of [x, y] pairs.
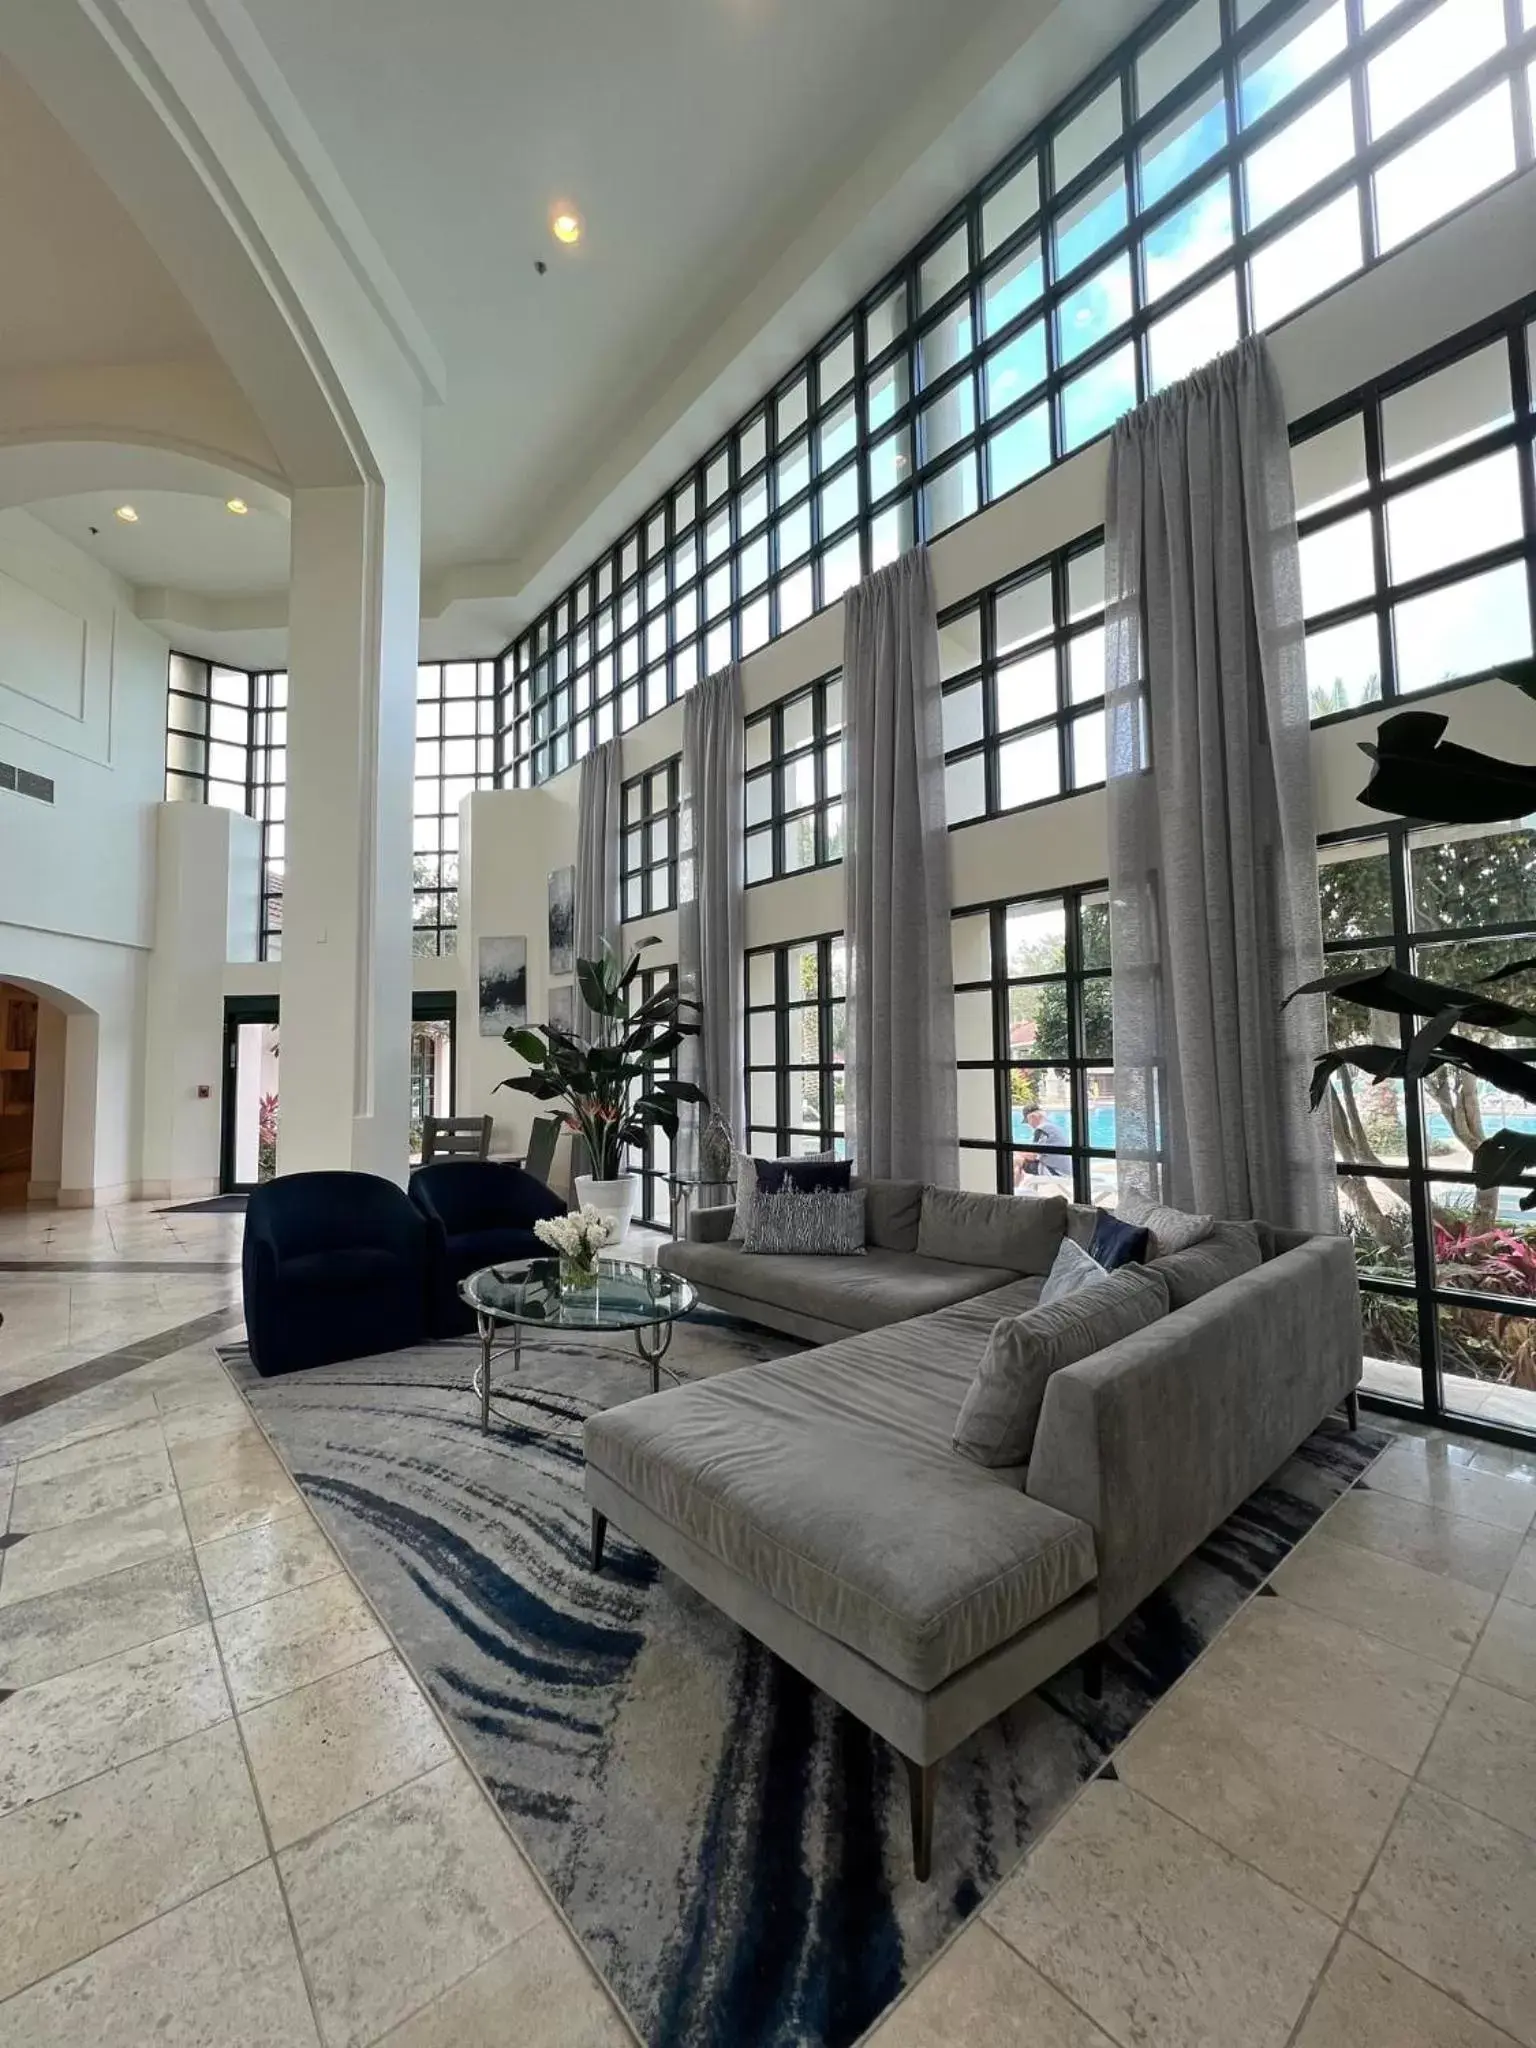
{"points": [[455, 1137], [542, 1140]]}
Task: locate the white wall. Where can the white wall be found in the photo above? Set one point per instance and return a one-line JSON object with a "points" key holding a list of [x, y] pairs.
{"points": [[510, 840], [82, 700], [200, 919]]}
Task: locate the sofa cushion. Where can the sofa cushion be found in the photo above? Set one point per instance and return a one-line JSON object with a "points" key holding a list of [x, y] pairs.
{"points": [[1231, 1250], [1173, 1230], [1082, 1221], [1117, 1243], [892, 1212], [1073, 1270], [746, 1181], [803, 1477], [343, 1271], [1020, 1232], [1001, 1410], [852, 1294], [806, 1175], [813, 1223], [497, 1247]]}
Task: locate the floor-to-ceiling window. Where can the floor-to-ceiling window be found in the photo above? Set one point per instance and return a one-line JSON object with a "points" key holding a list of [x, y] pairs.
{"points": [[1033, 1040], [653, 1161], [648, 849], [1447, 1269], [1232, 162], [796, 1001]]}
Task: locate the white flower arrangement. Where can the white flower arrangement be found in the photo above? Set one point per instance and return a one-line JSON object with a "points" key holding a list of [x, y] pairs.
{"points": [[580, 1237]]}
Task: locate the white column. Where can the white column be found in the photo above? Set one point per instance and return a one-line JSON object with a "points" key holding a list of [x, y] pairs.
{"points": [[354, 618]]}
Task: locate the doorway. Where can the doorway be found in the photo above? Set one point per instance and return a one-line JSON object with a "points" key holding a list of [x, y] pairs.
{"points": [[248, 1145], [18, 1087], [434, 1068]]}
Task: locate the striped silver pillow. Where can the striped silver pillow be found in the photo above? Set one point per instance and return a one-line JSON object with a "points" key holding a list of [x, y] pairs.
{"points": [[817, 1223]]}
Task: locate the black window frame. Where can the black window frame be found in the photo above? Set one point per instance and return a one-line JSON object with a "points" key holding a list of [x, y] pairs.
{"points": [[788, 1137], [1516, 327], [1418, 1176], [824, 751], [1065, 718], [1079, 1062], [895, 463], [654, 899]]}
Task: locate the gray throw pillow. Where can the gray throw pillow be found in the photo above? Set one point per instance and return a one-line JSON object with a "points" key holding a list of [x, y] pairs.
{"points": [[1017, 1231], [1173, 1230], [1001, 1410], [816, 1223], [1231, 1250], [892, 1213], [746, 1183], [1073, 1271]]}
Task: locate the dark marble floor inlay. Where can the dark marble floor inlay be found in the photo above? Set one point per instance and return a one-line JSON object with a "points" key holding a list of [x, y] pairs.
{"points": [[118, 1265], [95, 1372]]}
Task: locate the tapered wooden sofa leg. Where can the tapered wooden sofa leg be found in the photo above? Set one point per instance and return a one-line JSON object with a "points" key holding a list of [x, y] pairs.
{"points": [[1352, 1409], [599, 1531], [920, 1778]]}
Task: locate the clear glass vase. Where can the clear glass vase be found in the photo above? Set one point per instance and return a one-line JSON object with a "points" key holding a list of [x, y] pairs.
{"points": [[578, 1276]]}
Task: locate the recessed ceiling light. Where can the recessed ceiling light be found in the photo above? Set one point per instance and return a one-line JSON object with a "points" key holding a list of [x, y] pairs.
{"points": [[127, 515], [565, 225], [236, 505]]}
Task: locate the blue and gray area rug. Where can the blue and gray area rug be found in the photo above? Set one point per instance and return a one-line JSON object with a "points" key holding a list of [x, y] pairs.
{"points": [[732, 1849]]}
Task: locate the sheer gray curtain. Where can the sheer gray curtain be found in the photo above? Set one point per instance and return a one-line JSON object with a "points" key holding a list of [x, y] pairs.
{"points": [[902, 1116], [709, 936], [1213, 856], [597, 859]]}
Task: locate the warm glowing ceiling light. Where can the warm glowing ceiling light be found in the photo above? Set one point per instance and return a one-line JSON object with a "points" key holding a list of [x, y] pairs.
{"points": [[565, 225], [127, 515], [236, 505]]}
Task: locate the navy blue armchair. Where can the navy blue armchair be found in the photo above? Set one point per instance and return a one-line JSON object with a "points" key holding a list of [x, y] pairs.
{"points": [[333, 1266], [478, 1212]]}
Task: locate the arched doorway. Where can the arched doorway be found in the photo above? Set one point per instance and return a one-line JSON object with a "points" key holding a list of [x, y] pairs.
{"points": [[48, 1053]]}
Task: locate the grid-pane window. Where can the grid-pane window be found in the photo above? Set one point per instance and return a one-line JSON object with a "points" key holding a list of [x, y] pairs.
{"points": [[793, 792], [1033, 1045], [269, 798], [796, 1004], [648, 850], [1447, 1270], [455, 755], [653, 1161], [1023, 678], [1231, 163], [1416, 502], [207, 734]]}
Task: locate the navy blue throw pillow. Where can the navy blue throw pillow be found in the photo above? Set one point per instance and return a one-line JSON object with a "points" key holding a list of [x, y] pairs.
{"points": [[806, 1175], [1118, 1244]]}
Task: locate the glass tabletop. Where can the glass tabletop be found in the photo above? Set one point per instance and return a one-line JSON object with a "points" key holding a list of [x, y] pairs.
{"points": [[625, 1296]]}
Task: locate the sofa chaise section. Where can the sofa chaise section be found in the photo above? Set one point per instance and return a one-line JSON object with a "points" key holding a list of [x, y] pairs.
{"points": [[818, 1501]]}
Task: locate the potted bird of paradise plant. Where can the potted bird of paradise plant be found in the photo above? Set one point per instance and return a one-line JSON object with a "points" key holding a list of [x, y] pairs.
{"points": [[609, 1083]]}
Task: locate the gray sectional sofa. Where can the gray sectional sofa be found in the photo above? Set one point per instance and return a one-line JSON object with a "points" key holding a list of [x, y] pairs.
{"points": [[820, 1503]]}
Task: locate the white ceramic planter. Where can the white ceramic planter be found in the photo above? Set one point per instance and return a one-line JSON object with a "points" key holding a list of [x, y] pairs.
{"points": [[615, 1198]]}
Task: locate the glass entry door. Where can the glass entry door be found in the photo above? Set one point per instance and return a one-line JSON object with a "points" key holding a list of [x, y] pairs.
{"points": [[432, 1064], [250, 1093]]}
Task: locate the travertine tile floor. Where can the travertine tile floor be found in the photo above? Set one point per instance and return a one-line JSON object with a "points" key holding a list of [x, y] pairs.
{"points": [[229, 1819]]}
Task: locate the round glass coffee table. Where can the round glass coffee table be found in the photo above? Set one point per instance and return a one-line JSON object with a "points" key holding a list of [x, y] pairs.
{"points": [[529, 1295]]}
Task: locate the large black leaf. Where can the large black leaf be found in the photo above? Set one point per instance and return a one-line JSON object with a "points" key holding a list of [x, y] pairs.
{"points": [[1381, 1062], [1503, 1158], [1410, 995], [1419, 774]]}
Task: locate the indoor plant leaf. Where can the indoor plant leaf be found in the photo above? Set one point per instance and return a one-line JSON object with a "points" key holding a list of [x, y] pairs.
{"points": [[1503, 1158]]}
